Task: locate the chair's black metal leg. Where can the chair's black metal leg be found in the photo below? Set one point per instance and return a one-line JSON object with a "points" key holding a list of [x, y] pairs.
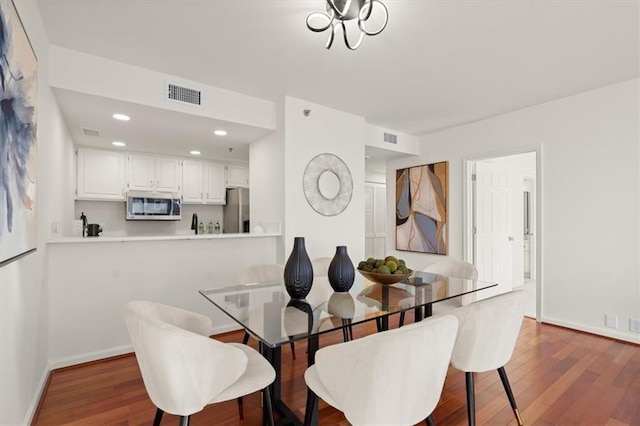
{"points": [[429, 420], [240, 408], [311, 410], [379, 324], [293, 347], [384, 323], [428, 310], [401, 322], [158, 418], [350, 331], [345, 330], [245, 339], [184, 420], [471, 399], [269, 406], [507, 389]]}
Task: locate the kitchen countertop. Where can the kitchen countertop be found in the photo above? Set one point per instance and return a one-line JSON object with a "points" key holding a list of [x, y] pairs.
{"points": [[123, 239]]}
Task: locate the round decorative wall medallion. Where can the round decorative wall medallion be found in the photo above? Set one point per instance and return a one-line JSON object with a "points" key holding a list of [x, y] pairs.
{"points": [[327, 184]]}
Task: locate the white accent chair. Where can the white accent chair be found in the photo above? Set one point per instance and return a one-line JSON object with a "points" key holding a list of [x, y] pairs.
{"points": [[389, 378], [319, 296], [183, 369], [321, 289], [266, 272], [486, 338], [449, 267]]}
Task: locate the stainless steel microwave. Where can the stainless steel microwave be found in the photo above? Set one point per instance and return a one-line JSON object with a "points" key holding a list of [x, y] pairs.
{"points": [[153, 206]]}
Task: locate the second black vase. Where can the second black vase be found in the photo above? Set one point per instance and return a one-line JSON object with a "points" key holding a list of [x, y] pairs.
{"points": [[341, 272], [298, 272]]}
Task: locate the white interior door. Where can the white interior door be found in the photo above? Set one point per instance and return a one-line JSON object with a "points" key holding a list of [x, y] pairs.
{"points": [[493, 242], [375, 195]]}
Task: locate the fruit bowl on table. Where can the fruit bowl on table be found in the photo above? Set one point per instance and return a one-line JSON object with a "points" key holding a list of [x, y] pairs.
{"points": [[385, 278]]}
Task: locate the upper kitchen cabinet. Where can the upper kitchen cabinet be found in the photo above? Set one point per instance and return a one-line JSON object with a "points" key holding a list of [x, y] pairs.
{"points": [[153, 173], [100, 175], [237, 176], [203, 182], [214, 183]]}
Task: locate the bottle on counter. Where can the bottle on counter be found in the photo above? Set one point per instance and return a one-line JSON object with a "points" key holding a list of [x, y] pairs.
{"points": [[201, 228], [211, 227], [217, 227]]}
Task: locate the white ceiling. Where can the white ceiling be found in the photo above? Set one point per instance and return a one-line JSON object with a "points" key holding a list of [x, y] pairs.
{"points": [[437, 64]]}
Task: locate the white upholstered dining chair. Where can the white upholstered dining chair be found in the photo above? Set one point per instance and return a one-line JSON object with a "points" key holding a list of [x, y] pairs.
{"points": [[321, 289], [486, 339], [183, 369], [263, 272], [449, 267], [389, 378]]}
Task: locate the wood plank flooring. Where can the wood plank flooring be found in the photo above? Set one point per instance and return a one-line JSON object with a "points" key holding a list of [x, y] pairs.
{"points": [[558, 376]]}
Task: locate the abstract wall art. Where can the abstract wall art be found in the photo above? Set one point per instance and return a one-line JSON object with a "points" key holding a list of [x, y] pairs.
{"points": [[18, 161], [422, 195]]}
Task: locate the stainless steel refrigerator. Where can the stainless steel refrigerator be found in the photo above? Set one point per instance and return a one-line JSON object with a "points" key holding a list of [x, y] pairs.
{"points": [[236, 211]]}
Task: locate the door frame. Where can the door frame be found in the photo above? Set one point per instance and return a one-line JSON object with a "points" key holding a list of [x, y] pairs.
{"points": [[468, 211]]}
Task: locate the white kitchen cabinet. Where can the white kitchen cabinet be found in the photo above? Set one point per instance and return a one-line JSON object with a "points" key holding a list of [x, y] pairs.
{"points": [[192, 181], [100, 175], [168, 174], [214, 183], [153, 173], [203, 182], [237, 176]]}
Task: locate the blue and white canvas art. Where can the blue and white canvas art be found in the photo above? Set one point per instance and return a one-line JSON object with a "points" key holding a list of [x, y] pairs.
{"points": [[18, 162]]}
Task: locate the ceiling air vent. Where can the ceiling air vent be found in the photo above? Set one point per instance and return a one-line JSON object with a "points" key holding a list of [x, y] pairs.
{"points": [[391, 138], [184, 94], [90, 132]]}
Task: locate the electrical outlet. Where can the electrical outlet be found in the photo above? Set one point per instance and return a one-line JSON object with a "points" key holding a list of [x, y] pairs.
{"points": [[634, 325], [611, 321]]}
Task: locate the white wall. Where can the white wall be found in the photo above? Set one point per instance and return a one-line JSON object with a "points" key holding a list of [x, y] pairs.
{"points": [[405, 144], [24, 294], [80, 72], [590, 200], [266, 178], [375, 177], [325, 130]]}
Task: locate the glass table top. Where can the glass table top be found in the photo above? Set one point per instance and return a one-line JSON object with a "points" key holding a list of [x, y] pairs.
{"points": [[267, 312]]}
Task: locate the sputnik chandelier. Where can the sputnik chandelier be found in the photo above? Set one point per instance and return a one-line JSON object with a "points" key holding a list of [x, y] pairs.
{"points": [[341, 11]]}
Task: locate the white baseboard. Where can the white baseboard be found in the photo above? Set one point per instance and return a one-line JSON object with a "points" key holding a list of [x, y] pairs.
{"points": [[225, 328], [90, 356], [119, 350], [614, 334], [39, 393]]}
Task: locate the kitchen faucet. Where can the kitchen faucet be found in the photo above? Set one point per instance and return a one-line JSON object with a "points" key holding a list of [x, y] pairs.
{"points": [[194, 223]]}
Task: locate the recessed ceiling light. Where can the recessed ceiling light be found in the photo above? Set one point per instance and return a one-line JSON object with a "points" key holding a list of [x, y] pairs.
{"points": [[118, 143], [121, 117], [194, 152], [220, 132]]}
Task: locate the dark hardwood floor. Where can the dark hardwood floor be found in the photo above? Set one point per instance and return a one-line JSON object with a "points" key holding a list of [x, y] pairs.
{"points": [[558, 376]]}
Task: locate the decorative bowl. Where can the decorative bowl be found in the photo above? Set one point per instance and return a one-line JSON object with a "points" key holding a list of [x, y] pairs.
{"points": [[385, 278]]}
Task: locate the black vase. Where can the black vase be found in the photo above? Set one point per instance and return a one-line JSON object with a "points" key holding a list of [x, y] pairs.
{"points": [[341, 271], [298, 272]]}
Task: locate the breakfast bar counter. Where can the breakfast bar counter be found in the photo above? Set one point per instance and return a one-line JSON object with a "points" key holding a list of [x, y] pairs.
{"points": [[126, 238], [91, 279]]}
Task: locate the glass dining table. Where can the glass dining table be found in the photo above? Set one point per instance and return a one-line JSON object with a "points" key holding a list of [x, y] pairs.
{"points": [[266, 312]]}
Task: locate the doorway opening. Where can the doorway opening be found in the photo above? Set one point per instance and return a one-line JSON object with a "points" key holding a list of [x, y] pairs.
{"points": [[502, 227]]}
